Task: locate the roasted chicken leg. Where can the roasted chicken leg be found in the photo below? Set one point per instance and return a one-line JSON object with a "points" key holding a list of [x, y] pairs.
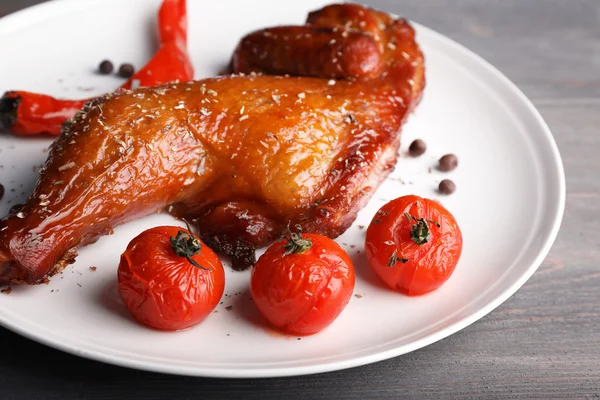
{"points": [[241, 156]]}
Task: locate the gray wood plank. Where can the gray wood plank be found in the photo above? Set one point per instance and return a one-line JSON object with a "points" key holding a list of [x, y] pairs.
{"points": [[543, 343], [550, 48]]}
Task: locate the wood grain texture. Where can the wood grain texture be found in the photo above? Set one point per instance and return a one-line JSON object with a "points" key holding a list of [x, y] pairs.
{"points": [[543, 343]]}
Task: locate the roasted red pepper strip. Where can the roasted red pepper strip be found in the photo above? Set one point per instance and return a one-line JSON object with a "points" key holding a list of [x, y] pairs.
{"points": [[27, 113], [171, 62], [173, 23]]}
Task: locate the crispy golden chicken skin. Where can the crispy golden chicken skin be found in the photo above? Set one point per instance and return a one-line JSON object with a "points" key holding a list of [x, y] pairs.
{"points": [[240, 156]]}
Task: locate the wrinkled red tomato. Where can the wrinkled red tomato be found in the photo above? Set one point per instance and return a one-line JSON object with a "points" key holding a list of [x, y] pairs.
{"points": [[413, 244], [169, 279], [302, 283]]}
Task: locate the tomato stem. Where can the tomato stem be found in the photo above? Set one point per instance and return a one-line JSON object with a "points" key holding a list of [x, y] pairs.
{"points": [[419, 232], [186, 245], [295, 243]]}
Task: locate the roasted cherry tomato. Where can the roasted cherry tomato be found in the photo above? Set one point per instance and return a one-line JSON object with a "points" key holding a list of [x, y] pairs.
{"points": [[169, 279], [413, 244], [302, 283]]}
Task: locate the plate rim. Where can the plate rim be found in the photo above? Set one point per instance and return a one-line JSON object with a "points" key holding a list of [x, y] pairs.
{"points": [[40, 12]]}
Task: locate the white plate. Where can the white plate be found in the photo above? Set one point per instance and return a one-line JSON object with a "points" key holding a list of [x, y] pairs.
{"points": [[509, 201]]}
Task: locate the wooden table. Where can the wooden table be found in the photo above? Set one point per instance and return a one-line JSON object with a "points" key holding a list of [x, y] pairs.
{"points": [[544, 342]]}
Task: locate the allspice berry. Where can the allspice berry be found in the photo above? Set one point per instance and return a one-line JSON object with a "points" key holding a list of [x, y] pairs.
{"points": [[105, 67], [447, 187], [417, 148], [126, 70], [448, 163]]}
